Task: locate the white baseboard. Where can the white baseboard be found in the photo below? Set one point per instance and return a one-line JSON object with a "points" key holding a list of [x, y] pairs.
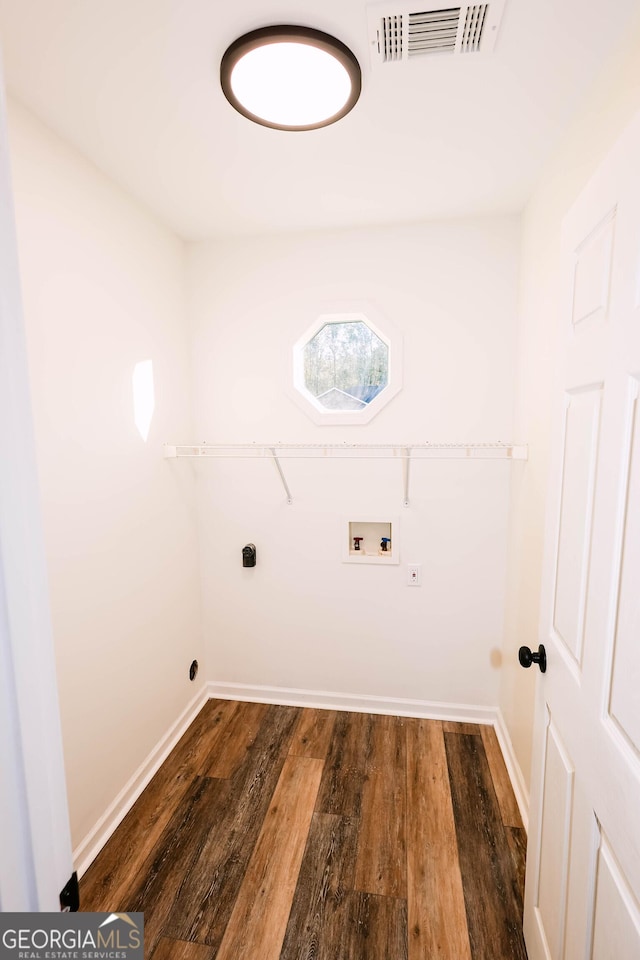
{"points": [[513, 769], [90, 846], [355, 702]]}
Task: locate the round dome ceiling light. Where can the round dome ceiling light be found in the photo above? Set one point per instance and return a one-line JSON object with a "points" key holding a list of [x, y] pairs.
{"points": [[290, 78]]}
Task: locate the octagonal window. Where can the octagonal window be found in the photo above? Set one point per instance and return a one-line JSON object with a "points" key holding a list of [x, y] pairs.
{"points": [[343, 368], [346, 365]]}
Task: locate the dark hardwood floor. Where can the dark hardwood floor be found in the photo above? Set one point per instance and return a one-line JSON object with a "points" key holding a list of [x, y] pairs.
{"points": [[280, 833]]}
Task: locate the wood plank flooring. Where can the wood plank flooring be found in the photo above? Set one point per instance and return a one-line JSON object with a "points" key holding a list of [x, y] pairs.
{"points": [[282, 833]]}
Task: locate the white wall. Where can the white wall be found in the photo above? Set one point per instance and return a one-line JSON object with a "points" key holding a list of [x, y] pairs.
{"points": [[103, 290], [301, 618], [606, 110]]}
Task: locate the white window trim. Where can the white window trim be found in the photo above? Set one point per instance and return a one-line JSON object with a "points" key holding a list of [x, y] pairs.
{"points": [[344, 312]]}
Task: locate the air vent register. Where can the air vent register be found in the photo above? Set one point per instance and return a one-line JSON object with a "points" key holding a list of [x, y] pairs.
{"points": [[399, 32]]}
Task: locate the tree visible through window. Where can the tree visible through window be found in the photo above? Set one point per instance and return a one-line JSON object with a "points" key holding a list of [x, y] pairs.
{"points": [[346, 365]]}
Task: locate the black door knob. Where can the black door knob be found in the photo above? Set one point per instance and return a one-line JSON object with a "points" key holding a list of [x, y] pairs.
{"points": [[526, 658]]}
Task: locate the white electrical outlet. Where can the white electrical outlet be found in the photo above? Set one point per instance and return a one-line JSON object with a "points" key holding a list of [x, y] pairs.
{"points": [[413, 574]]}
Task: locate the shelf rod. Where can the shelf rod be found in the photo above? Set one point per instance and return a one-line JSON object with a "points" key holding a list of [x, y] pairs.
{"points": [[362, 451], [353, 451], [282, 476]]}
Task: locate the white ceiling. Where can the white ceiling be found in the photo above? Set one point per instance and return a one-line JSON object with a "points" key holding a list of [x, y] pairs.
{"points": [[133, 84]]}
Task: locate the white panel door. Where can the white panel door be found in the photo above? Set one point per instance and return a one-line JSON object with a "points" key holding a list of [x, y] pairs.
{"points": [[35, 843], [583, 873]]}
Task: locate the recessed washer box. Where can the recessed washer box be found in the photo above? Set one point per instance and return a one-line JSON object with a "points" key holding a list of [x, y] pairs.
{"points": [[370, 534]]}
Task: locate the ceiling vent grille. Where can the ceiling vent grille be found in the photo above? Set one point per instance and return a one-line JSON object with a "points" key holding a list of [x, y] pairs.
{"points": [[433, 31], [398, 32], [474, 22], [391, 37]]}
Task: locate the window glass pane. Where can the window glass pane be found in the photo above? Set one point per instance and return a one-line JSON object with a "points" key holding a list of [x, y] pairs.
{"points": [[345, 365]]}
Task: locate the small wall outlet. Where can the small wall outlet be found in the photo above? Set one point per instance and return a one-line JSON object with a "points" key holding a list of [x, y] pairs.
{"points": [[413, 574]]}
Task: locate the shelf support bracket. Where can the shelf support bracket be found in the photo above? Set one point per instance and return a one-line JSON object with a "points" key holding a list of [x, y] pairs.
{"points": [[406, 466], [274, 457]]}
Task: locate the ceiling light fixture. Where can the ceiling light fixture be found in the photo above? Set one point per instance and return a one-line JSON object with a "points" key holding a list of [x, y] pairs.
{"points": [[290, 78]]}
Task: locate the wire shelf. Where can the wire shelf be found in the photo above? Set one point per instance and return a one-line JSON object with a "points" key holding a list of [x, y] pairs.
{"points": [[403, 452]]}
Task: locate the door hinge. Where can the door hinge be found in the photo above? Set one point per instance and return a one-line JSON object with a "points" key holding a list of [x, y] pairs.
{"points": [[70, 895]]}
